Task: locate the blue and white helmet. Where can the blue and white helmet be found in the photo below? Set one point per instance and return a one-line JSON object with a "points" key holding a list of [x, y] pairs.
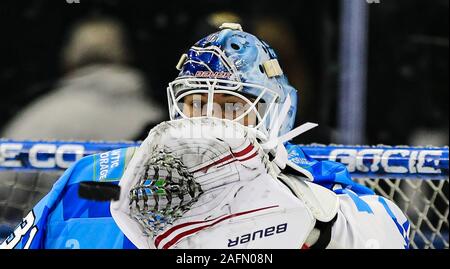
{"points": [[240, 64]]}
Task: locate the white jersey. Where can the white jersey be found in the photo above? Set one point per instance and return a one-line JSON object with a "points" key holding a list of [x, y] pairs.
{"points": [[369, 221], [225, 193]]}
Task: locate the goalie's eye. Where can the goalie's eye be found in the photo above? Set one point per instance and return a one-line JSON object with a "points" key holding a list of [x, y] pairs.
{"points": [[192, 105], [196, 99]]}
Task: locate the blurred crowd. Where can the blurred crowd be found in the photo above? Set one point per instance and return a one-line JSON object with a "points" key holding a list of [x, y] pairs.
{"points": [[98, 70], [100, 97]]}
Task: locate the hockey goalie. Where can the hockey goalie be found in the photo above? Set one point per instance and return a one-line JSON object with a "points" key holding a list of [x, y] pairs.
{"points": [[221, 174]]}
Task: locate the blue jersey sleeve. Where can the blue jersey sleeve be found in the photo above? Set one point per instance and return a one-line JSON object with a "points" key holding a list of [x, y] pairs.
{"points": [[64, 220], [325, 173]]}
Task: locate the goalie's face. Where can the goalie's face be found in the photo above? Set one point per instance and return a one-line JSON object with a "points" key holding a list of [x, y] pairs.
{"points": [[224, 106], [251, 105]]}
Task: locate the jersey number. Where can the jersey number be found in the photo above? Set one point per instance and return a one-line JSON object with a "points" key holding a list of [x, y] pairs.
{"points": [[21, 230]]}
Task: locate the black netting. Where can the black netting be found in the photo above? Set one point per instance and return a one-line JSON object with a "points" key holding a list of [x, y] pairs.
{"points": [[425, 203], [19, 192]]}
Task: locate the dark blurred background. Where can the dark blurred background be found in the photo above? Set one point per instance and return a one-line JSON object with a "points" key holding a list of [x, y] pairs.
{"points": [[407, 58]]}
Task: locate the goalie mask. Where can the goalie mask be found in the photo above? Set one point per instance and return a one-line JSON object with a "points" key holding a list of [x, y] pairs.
{"points": [[239, 66]]}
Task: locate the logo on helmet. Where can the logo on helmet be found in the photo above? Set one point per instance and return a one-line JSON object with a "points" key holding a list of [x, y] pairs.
{"points": [[210, 74]]}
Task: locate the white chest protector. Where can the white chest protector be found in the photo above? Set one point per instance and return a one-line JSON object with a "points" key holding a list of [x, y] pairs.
{"points": [[206, 183]]}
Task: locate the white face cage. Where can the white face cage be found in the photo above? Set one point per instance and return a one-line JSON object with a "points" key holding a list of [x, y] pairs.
{"points": [[264, 105]]}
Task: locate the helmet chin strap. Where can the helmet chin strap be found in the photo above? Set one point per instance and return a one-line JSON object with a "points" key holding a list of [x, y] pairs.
{"points": [[275, 143]]}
